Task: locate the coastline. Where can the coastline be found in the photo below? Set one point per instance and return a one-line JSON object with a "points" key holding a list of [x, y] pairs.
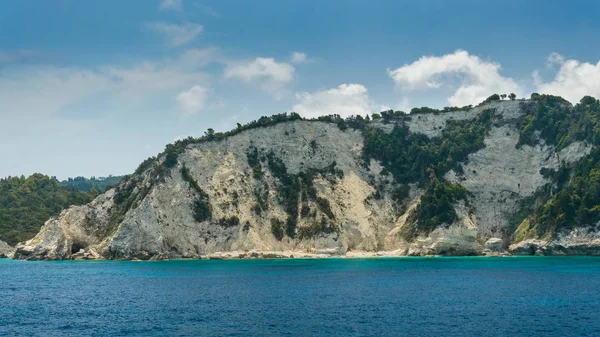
{"points": [[269, 255], [309, 257]]}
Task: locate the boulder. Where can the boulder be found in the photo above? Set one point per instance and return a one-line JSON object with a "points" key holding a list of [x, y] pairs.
{"points": [[527, 247], [494, 244]]}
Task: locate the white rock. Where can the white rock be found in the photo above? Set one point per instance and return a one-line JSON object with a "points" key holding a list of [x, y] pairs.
{"points": [[494, 244], [161, 224]]}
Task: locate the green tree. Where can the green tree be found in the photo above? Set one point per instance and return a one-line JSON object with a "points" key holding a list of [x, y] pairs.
{"points": [[209, 134], [26, 203]]}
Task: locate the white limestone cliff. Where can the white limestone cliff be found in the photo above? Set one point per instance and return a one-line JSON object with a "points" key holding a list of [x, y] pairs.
{"points": [[160, 222]]}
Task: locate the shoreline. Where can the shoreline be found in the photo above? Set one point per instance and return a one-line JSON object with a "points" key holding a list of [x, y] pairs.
{"points": [[274, 255], [309, 258]]}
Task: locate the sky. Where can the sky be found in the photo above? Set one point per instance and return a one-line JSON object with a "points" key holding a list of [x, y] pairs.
{"points": [[92, 88]]}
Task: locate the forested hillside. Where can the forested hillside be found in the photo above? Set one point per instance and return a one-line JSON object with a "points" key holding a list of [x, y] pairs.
{"points": [[26, 203], [572, 198], [100, 184]]}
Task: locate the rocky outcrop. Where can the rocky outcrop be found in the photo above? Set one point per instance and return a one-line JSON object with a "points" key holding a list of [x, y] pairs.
{"points": [[303, 189], [527, 247], [494, 245], [6, 251], [340, 216], [79, 227], [579, 241]]}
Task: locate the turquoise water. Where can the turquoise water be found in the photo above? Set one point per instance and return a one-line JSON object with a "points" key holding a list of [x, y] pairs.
{"points": [[520, 296]]}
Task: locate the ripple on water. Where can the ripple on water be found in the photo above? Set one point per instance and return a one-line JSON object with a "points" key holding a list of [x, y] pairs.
{"points": [[329, 297]]}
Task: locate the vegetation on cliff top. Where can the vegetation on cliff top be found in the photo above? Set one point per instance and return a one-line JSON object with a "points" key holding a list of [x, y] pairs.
{"points": [[558, 123], [411, 157], [100, 184]]}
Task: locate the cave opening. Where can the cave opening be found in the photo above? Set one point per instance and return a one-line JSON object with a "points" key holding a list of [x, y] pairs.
{"points": [[76, 247]]}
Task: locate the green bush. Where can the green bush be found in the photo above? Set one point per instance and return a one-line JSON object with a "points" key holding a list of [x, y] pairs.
{"points": [[436, 207], [316, 228], [554, 120], [202, 208], [277, 228], [232, 221], [410, 157]]}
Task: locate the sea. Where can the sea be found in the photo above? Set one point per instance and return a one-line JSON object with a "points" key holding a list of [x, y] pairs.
{"points": [[410, 296]]}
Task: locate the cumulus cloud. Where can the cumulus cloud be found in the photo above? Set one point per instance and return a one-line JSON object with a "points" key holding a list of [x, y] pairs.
{"points": [[170, 5], [345, 100], [471, 78], [270, 75], [176, 35], [298, 57], [573, 80], [192, 100]]}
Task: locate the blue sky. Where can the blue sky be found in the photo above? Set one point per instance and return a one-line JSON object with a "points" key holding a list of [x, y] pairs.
{"points": [[94, 87]]}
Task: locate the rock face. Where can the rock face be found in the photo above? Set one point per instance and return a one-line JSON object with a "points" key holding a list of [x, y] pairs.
{"points": [[231, 199], [74, 229], [579, 241], [6, 250], [494, 245]]}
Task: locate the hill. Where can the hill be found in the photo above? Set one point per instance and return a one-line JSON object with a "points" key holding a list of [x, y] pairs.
{"points": [[506, 176], [26, 203]]}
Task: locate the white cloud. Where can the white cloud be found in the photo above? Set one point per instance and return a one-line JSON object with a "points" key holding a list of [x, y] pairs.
{"points": [[151, 79], [298, 57], [135, 87], [16, 55], [170, 5], [345, 100], [192, 100], [176, 35], [270, 75], [211, 12], [194, 58], [471, 78], [45, 90], [573, 80]]}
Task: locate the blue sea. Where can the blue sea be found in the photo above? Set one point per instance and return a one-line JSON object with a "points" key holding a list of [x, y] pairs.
{"points": [[479, 296]]}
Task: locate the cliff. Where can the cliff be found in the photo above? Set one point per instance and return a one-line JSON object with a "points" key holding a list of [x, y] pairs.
{"points": [[460, 182], [6, 250]]}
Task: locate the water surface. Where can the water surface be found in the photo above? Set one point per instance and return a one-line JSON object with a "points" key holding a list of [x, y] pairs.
{"points": [[522, 296]]}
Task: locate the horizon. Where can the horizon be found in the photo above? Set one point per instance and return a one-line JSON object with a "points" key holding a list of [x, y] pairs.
{"points": [[93, 89]]}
